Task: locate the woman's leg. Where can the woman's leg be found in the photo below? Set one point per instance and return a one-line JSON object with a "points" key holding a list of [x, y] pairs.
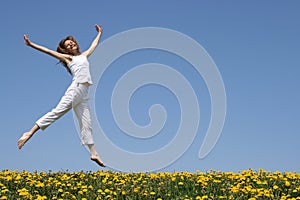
{"points": [[62, 107], [84, 120], [83, 115]]}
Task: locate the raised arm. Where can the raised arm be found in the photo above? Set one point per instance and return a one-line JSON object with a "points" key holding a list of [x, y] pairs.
{"points": [[62, 57], [94, 44]]}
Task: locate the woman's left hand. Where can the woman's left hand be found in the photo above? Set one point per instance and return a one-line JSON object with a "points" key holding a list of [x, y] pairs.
{"points": [[98, 28]]}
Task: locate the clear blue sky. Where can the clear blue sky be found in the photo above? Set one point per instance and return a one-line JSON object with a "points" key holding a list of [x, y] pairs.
{"points": [[255, 45]]}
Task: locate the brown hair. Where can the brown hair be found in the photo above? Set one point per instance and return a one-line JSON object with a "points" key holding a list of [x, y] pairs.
{"points": [[61, 48]]}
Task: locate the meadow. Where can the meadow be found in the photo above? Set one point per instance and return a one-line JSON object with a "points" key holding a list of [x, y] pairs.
{"points": [[247, 184]]}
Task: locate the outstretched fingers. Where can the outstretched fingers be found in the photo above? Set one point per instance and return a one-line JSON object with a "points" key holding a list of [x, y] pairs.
{"points": [[26, 39], [25, 137], [98, 28]]}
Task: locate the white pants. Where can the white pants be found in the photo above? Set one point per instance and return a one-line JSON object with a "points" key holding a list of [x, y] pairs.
{"points": [[76, 97]]}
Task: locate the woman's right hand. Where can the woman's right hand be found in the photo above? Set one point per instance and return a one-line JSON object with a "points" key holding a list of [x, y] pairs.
{"points": [[26, 40]]}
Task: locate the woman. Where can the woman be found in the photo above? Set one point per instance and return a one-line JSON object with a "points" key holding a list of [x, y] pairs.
{"points": [[76, 96]]}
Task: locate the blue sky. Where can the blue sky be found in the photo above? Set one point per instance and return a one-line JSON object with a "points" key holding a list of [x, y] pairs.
{"points": [[254, 44]]}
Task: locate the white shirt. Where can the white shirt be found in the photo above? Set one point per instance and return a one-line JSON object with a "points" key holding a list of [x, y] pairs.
{"points": [[80, 69]]}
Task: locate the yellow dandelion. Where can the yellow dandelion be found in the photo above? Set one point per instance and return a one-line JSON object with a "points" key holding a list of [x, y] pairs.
{"points": [[180, 183], [4, 190], [287, 184], [136, 190], [39, 197], [99, 191], [23, 192], [40, 184]]}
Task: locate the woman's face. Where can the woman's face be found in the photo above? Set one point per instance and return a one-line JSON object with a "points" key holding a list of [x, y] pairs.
{"points": [[71, 45]]}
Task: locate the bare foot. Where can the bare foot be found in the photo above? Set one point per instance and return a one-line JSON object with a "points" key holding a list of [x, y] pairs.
{"points": [[97, 159], [25, 137]]}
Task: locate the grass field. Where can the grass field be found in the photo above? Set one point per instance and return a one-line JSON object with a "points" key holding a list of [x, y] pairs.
{"points": [[247, 184]]}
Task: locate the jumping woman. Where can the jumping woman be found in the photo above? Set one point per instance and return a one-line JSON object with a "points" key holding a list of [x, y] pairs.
{"points": [[76, 96]]}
